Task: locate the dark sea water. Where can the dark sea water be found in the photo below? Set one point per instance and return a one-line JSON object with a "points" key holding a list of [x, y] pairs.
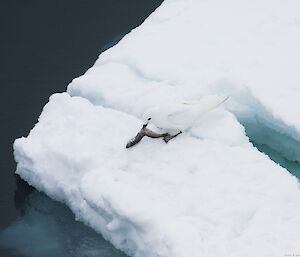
{"points": [[44, 44]]}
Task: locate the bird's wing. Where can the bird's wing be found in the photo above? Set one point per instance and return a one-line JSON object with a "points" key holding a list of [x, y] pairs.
{"points": [[191, 102], [180, 118], [183, 115], [218, 100]]}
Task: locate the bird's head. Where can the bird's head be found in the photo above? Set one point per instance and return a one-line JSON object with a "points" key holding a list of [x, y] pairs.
{"points": [[147, 117]]}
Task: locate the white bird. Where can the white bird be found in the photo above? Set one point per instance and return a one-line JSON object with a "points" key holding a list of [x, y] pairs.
{"points": [[181, 116], [177, 117]]}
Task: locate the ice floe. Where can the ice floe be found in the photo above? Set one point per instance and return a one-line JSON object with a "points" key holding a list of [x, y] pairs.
{"points": [[209, 192]]}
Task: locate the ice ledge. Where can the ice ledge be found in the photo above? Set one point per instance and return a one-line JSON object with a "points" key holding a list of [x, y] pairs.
{"points": [[188, 197]]}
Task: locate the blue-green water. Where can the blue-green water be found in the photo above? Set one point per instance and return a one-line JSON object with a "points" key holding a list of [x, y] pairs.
{"points": [[278, 146], [292, 166], [49, 229]]}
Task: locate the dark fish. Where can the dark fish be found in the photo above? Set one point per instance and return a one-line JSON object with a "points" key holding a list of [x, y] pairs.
{"points": [[145, 132]]}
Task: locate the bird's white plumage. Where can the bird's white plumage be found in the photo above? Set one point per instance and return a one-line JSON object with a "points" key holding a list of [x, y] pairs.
{"points": [[181, 116]]}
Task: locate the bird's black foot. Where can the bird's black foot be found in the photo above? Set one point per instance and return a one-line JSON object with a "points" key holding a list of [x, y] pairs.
{"points": [[168, 137]]}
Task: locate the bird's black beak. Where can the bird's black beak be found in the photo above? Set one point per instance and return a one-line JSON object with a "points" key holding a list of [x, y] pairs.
{"points": [[145, 125]]}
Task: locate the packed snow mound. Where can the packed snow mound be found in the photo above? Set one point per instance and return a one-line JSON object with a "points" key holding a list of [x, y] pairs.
{"points": [[208, 192], [214, 196]]}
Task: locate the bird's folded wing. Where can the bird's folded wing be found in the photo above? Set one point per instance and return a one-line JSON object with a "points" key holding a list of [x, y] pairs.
{"points": [[180, 118]]}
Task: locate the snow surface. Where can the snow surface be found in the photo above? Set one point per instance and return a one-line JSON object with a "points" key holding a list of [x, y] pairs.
{"points": [[208, 192]]}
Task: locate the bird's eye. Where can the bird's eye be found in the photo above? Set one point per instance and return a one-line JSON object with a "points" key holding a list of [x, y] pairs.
{"points": [[149, 118]]}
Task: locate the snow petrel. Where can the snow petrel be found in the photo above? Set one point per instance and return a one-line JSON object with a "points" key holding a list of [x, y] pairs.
{"points": [[175, 118]]}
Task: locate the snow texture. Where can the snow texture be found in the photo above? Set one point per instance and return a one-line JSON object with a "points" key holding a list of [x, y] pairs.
{"points": [[208, 192]]}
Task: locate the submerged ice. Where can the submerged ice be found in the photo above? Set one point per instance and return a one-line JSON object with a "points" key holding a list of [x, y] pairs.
{"points": [[209, 192]]}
